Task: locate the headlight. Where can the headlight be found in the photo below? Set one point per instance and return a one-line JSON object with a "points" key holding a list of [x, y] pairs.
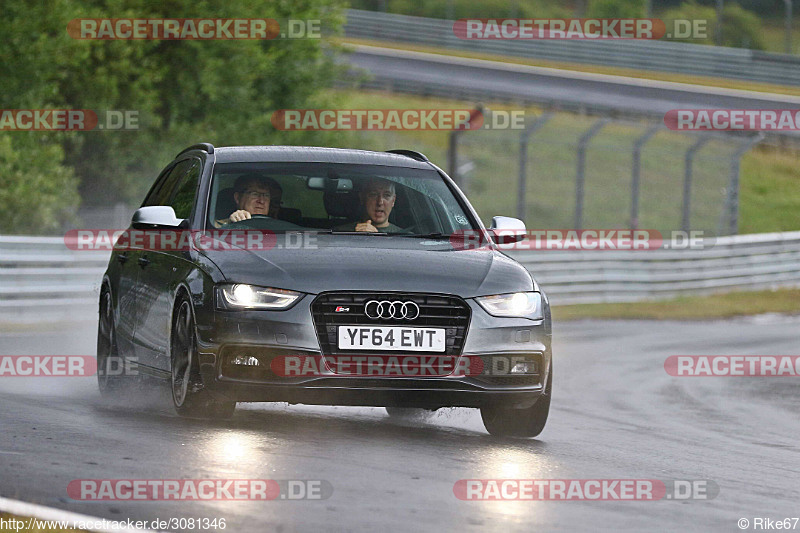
{"points": [[241, 296], [515, 304]]}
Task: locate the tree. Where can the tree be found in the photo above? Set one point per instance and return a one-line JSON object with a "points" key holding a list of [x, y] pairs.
{"points": [[221, 91]]}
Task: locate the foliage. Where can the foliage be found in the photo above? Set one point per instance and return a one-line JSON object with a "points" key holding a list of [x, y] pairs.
{"points": [[740, 28], [616, 9], [221, 91]]}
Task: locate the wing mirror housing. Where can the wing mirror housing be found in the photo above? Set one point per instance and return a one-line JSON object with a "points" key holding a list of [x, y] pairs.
{"points": [[155, 217], [507, 230]]}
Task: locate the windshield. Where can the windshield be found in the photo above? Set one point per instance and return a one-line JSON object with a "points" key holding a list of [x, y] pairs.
{"points": [[335, 198]]}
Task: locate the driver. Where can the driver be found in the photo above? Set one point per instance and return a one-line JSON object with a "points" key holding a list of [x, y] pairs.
{"points": [[253, 195], [377, 199]]}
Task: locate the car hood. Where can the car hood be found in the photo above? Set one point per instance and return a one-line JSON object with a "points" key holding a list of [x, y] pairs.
{"points": [[376, 263]]}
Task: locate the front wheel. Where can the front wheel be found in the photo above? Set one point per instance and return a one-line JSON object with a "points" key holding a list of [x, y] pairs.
{"points": [[188, 395], [523, 423], [109, 379]]}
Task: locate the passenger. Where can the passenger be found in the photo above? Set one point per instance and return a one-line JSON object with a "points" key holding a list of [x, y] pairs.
{"points": [[377, 200]]}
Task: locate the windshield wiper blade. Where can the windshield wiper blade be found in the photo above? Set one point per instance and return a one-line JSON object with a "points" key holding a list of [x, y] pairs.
{"points": [[334, 232], [435, 235]]}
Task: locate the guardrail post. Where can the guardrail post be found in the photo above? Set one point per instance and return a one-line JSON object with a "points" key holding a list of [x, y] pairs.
{"points": [[688, 161], [638, 145], [529, 130], [733, 186], [580, 177]]}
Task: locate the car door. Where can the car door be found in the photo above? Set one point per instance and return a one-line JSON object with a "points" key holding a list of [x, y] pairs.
{"points": [[124, 276], [161, 269]]}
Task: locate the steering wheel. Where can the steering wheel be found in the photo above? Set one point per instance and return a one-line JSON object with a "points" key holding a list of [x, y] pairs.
{"points": [[254, 222]]}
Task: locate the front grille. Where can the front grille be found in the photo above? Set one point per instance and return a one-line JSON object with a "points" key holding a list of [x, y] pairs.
{"points": [[442, 311]]}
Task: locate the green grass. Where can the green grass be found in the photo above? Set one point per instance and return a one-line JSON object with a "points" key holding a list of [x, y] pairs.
{"points": [[774, 35], [728, 305], [770, 181]]}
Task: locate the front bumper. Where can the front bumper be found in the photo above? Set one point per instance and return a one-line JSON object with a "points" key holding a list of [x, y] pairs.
{"points": [[266, 334]]}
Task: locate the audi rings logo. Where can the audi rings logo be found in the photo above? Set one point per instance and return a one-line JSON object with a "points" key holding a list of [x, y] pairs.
{"points": [[386, 309]]}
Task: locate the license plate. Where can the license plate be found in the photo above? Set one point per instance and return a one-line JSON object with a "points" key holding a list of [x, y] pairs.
{"points": [[391, 338]]}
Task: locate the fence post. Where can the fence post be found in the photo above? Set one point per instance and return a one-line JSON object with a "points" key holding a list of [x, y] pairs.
{"points": [[733, 186], [529, 130], [688, 160], [452, 156], [452, 148], [580, 177], [638, 145]]}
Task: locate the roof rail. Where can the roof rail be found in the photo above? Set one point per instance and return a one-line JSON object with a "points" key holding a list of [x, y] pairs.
{"points": [[418, 156], [205, 147]]}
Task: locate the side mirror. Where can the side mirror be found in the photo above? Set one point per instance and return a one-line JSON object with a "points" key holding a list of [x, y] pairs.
{"points": [[155, 217], [506, 229]]}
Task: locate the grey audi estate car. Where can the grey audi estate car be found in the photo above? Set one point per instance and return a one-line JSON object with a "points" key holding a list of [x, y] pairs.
{"points": [[329, 277]]}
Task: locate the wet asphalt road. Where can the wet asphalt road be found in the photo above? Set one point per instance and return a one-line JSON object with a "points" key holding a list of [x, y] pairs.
{"points": [[514, 82], [616, 414]]}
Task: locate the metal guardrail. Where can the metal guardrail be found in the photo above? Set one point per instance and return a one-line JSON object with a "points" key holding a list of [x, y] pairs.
{"points": [[41, 280], [741, 262], [665, 56]]}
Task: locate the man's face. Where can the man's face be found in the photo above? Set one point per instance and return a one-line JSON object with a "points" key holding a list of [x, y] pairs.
{"points": [[378, 202], [254, 199]]}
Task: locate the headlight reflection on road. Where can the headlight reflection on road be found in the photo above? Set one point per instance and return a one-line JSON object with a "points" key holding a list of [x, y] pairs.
{"points": [[513, 463], [232, 446]]}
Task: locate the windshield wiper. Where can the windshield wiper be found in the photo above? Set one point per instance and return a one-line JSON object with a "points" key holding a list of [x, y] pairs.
{"points": [[435, 235], [335, 232]]}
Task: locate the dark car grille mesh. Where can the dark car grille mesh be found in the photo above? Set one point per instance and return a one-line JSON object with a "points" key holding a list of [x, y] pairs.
{"points": [[442, 311]]}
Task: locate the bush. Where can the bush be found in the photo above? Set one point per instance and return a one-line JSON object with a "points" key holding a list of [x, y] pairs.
{"points": [[606, 9], [38, 194], [740, 28]]}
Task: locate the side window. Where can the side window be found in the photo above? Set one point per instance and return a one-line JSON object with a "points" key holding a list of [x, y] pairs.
{"points": [[182, 199], [161, 193], [150, 199]]}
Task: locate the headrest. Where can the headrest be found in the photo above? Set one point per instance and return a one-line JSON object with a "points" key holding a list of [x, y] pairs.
{"points": [[342, 204], [226, 203]]}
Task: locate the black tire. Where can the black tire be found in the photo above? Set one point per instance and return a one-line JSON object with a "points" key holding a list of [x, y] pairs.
{"points": [[109, 380], [189, 397], [526, 423]]}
